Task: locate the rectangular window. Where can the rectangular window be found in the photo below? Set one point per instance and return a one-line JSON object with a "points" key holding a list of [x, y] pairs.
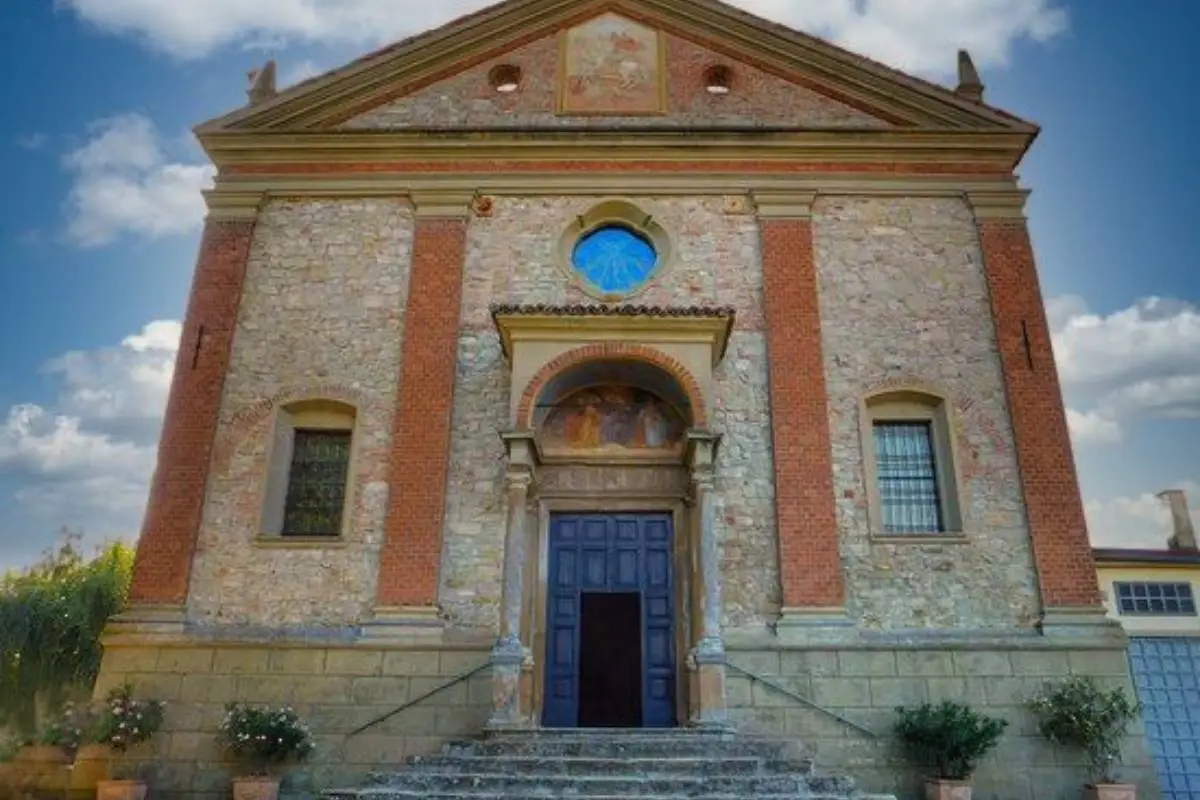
{"points": [[907, 476], [316, 492], [1155, 598]]}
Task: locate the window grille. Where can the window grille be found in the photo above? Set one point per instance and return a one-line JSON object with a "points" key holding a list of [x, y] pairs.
{"points": [[1155, 598], [316, 490], [907, 474]]}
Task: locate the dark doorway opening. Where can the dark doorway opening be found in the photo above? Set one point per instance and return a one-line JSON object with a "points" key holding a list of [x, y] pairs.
{"points": [[610, 660]]}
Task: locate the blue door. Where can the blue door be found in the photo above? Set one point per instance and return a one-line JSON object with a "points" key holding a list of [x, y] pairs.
{"points": [[593, 554], [1166, 672]]}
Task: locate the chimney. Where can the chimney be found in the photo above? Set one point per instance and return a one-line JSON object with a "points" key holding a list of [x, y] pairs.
{"points": [[1183, 532], [970, 86], [262, 84]]}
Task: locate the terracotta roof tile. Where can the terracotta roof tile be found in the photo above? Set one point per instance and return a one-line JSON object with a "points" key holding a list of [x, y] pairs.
{"points": [[582, 310]]}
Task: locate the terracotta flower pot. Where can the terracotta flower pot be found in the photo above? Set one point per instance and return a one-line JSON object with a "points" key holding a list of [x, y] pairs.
{"points": [[1110, 791], [256, 788], [43, 754], [121, 790], [947, 790]]}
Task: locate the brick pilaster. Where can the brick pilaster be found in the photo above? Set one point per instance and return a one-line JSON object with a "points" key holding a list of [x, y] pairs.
{"points": [[810, 570], [410, 559], [162, 568], [1053, 505]]}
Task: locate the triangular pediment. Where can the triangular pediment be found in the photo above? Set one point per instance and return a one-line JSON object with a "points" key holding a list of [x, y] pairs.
{"points": [[783, 78]]}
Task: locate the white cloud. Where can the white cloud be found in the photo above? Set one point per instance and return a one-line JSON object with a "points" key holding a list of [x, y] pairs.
{"points": [[1137, 521], [1092, 427], [88, 460], [1135, 363], [124, 182], [917, 35], [300, 71]]}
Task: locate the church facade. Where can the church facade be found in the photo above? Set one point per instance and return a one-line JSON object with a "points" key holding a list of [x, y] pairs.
{"points": [[632, 363]]}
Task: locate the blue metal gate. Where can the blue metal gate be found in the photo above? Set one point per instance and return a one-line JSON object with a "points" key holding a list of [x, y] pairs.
{"points": [[610, 553], [1166, 672]]}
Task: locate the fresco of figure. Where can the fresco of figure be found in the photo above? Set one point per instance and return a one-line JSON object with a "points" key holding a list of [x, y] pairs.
{"points": [[614, 420]]}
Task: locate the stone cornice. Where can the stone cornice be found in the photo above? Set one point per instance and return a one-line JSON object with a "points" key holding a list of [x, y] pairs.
{"points": [[999, 204], [444, 204], [784, 205], [225, 203], [245, 152]]}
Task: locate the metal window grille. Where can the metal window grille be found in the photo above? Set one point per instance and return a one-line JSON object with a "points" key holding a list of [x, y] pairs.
{"points": [[907, 474], [1155, 598], [317, 483]]}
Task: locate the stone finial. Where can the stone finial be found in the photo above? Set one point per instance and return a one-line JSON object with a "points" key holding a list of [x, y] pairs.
{"points": [[1183, 532], [969, 84], [262, 83]]}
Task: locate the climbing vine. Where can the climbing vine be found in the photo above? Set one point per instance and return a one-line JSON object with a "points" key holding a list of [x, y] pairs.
{"points": [[51, 617]]}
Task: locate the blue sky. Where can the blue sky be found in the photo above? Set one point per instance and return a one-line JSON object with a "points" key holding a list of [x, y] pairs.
{"points": [[99, 228]]}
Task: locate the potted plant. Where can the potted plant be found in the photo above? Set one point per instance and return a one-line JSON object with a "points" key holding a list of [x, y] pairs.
{"points": [[69, 730], [263, 738], [951, 738], [125, 722], [1078, 713]]}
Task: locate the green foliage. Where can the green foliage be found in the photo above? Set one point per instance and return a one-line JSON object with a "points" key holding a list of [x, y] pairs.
{"points": [[950, 737], [264, 736], [9, 748], [51, 616], [1078, 713], [125, 722], [73, 726]]}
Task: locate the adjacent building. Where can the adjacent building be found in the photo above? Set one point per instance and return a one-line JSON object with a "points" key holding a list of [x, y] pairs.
{"points": [[635, 363], [1152, 593]]}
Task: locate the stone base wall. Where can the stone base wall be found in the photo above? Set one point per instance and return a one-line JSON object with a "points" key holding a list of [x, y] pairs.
{"points": [[339, 687], [336, 688], [864, 685]]}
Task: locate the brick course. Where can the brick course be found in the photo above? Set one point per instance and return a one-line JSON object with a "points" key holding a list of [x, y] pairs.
{"points": [[1062, 553], [810, 571], [162, 568], [412, 549]]}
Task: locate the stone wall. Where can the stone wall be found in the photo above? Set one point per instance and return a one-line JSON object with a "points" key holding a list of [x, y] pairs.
{"points": [[468, 100], [864, 685], [904, 300], [511, 258], [321, 317], [336, 688]]}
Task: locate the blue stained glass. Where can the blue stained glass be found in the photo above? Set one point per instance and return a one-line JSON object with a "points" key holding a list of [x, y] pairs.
{"points": [[615, 259]]}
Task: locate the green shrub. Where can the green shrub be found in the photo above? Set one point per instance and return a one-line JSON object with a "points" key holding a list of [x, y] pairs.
{"points": [[125, 722], [51, 616], [1077, 713], [264, 736], [950, 737]]}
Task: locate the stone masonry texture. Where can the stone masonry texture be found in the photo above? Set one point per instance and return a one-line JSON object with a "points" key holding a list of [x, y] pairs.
{"points": [[511, 258], [321, 318], [468, 100], [904, 299], [408, 565], [1060, 542], [865, 685], [337, 689], [810, 572], [163, 565]]}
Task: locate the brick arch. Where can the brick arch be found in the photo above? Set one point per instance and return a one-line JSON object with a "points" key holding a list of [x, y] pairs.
{"points": [[614, 351]]}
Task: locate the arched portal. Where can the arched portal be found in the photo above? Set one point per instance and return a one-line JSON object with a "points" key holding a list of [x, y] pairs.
{"points": [[611, 595]]}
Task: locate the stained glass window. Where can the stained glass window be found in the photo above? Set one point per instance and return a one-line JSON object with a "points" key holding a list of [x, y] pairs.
{"points": [[317, 483], [907, 474], [614, 259]]}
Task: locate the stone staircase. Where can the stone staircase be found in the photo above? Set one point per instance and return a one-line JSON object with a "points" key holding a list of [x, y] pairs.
{"points": [[606, 765]]}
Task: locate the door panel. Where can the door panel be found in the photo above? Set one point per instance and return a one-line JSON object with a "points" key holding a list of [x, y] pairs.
{"points": [[610, 553]]}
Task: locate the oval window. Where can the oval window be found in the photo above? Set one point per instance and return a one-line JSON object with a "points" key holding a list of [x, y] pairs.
{"points": [[615, 259]]}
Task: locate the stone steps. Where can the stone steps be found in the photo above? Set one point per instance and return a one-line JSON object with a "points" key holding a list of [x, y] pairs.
{"points": [[607, 765]]}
